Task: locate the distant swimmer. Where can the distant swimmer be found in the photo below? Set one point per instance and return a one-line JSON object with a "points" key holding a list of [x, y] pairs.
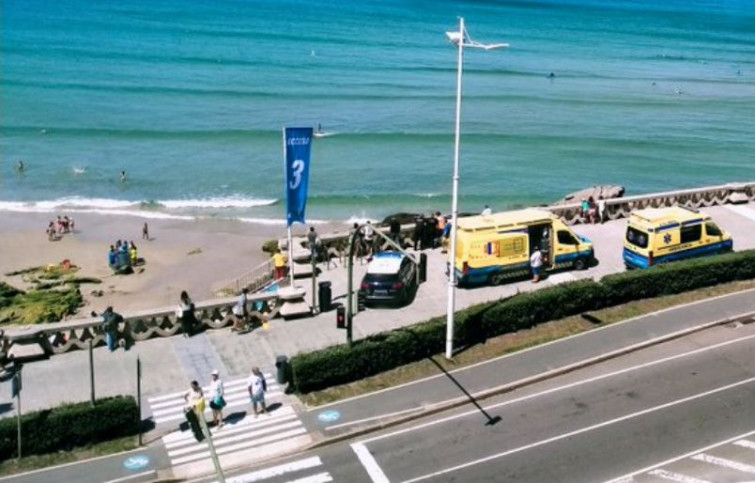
{"points": [[123, 176], [551, 76], [20, 166], [678, 91], [319, 127]]}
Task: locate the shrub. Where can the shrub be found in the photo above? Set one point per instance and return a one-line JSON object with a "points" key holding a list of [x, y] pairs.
{"points": [[342, 364], [70, 426]]}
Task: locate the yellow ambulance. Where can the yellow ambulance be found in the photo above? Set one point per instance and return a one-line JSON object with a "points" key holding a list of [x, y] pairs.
{"points": [[661, 235], [494, 248]]}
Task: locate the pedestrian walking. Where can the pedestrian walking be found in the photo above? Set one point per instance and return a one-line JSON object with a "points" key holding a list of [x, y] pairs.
{"points": [[217, 401], [194, 409], [314, 243], [536, 263], [240, 311], [257, 387], [110, 321], [145, 232], [185, 312], [279, 262]]}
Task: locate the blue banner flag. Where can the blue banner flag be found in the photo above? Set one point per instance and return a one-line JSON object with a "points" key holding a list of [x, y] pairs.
{"points": [[297, 146]]}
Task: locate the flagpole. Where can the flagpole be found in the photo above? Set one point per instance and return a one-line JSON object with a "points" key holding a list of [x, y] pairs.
{"points": [[290, 236]]}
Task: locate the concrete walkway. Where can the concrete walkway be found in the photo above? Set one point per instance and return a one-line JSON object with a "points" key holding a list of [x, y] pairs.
{"points": [[168, 365]]}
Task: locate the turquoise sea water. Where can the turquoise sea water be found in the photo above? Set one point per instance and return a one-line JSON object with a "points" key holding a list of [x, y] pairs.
{"points": [[189, 99]]}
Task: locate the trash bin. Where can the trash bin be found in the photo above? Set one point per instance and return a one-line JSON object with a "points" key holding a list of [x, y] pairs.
{"points": [[325, 296], [422, 267], [281, 364]]}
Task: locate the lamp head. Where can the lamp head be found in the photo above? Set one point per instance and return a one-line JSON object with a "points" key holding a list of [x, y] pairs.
{"points": [[454, 37]]}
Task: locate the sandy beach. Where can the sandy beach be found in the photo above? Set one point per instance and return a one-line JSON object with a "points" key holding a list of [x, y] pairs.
{"points": [[191, 255]]}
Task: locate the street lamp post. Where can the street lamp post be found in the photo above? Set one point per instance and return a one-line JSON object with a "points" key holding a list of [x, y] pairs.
{"points": [[461, 39]]}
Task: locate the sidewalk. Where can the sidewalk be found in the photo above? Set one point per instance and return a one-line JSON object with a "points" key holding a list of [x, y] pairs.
{"points": [[372, 411]]}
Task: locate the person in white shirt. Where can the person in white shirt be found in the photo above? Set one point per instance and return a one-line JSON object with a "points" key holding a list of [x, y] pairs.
{"points": [[369, 237], [217, 401], [257, 387], [487, 211], [536, 263]]}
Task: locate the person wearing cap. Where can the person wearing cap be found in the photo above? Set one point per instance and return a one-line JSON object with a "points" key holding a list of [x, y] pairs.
{"points": [[217, 401]]}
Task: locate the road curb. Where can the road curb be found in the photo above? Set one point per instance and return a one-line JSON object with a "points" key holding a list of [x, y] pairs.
{"points": [[482, 395]]}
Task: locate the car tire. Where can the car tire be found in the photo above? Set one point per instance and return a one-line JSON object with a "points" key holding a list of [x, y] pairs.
{"points": [[580, 264]]}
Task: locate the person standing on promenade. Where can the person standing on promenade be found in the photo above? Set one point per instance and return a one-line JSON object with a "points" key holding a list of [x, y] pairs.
{"points": [[314, 243], [257, 387], [110, 321], [145, 232], [368, 234], [217, 401], [279, 262], [186, 311], [487, 211], [194, 409], [601, 209], [395, 231], [240, 312], [536, 262]]}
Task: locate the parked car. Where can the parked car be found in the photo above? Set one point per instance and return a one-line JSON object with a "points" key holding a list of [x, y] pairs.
{"points": [[391, 278]]}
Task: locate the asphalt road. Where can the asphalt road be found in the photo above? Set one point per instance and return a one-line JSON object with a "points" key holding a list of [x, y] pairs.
{"points": [[656, 406]]}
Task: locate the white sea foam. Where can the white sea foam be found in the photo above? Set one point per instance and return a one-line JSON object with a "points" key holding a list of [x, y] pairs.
{"points": [[228, 202], [278, 221]]}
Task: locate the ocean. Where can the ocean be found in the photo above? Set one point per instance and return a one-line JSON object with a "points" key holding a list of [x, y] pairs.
{"points": [[189, 98]]}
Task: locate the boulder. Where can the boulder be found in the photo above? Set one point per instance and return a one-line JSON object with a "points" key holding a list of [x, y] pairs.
{"points": [[607, 192]]}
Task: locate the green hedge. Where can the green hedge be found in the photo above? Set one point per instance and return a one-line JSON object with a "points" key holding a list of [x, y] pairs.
{"points": [[69, 426], [342, 364]]}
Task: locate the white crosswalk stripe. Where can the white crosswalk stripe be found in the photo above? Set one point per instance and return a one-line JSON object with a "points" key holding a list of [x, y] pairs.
{"points": [[298, 466], [242, 437], [169, 407]]}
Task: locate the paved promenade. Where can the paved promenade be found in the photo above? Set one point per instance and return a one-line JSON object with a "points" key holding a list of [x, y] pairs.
{"points": [[168, 365]]}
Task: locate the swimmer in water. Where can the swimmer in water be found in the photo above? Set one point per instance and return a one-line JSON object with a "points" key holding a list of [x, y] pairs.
{"points": [[20, 166], [123, 176]]}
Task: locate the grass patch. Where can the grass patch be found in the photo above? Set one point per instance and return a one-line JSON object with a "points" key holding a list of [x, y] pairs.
{"points": [[37, 306], [508, 343], [35, 462]]}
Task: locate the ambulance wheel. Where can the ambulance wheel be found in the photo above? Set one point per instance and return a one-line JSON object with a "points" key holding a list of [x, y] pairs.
{"points": [[496, 279], [580, 264]]}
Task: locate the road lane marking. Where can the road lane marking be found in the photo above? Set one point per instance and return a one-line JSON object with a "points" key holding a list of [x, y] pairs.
{"points": [[672, 476], [745, 443], [279, 470], [581, 431], [370, 465], [561, 388], [529, 349], [318, 478], [730, 464], [623, 479]]}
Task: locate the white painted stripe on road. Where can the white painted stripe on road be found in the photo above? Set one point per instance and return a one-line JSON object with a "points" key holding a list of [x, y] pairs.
{"points": [[622, 479], [672, 476], [245, 445], [730, 464], [745, 443], [564, 387], [539, 347], [180, 394], [178, 414], [224, 440], [279, 470], [370, 465], [582, 430], [625, 479], [741, 210], [318, 478], [365, 420], [127, 478], [182, 437]]}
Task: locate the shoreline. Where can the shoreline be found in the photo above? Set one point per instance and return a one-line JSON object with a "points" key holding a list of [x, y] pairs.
{"points": [[191, 255]]}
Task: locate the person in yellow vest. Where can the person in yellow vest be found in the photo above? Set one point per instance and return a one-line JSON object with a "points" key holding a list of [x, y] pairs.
{"points": [[134, 254], [279, 262]]}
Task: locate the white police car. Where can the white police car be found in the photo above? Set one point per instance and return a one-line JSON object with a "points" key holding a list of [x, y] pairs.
{"points": [[391, 278]]}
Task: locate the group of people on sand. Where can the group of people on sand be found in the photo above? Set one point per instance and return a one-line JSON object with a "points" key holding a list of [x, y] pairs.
{"points": [[123, 254], [591, 211], [57, 228], [196, 400]]}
